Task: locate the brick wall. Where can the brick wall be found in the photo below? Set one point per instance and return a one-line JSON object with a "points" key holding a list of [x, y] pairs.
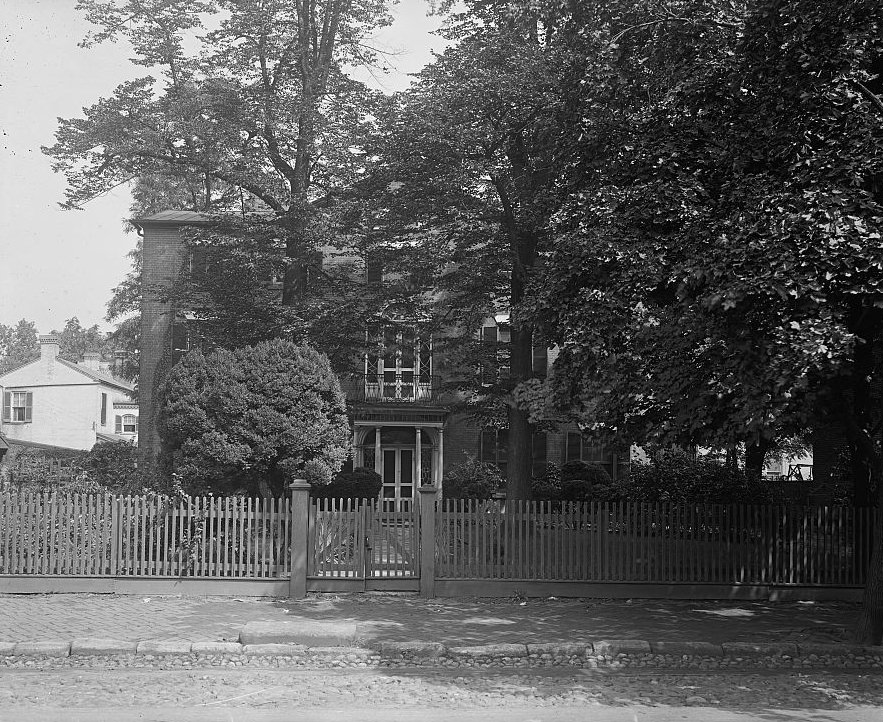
{"points": [[163, 259]]}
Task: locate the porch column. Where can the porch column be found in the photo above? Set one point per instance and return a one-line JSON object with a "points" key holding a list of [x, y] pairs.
{"points": [[378, 461], [441, 459], [418, 454]]}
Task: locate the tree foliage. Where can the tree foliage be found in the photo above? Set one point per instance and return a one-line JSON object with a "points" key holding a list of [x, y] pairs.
{"points": [[255, 419], [18, 345]]}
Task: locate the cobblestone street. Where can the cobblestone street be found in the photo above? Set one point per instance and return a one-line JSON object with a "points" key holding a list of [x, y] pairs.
{"points": [[248, 689]]}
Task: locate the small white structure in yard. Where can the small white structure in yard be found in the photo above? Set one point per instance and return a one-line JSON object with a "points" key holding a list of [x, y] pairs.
{"points": [[70, 405]]}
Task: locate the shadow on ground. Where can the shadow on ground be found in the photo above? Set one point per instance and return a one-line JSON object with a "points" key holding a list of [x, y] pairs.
{"points": [[400, 617]]}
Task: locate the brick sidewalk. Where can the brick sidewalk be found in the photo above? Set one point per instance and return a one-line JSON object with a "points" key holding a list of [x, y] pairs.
{"points": [[408, 617]]}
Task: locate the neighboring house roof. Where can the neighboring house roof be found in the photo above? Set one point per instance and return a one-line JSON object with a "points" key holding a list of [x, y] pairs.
{"points": [[101, 376], [64, 450], [174, 217], [4, 445], [104, 436]]}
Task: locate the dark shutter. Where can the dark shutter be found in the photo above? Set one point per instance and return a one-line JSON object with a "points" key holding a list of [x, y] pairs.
{"points": [[489, 446], [7, 406], [104, 409], [538, 441], [574, 441], [118, 424], [29, 406], [374, 269], [540, 360]]}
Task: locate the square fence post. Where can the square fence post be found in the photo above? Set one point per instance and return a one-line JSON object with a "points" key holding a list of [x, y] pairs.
{"points": [[428, 496], [300, 525]]}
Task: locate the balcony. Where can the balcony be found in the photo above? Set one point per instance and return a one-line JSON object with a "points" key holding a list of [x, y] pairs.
{"points": [[389, 387]]}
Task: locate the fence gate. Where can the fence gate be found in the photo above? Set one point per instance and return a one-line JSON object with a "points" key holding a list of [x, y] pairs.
{"points": [[356, 546]]}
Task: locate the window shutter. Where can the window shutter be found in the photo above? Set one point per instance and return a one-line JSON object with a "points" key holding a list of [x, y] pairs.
{"points": [[29, 406], [104, 409], [374, 270], [7, 406], [574, 441], [488, 446], [540, 360], [118, 425]]}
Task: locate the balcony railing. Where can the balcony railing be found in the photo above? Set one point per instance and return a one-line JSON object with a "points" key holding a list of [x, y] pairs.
{"points": [[391, 387]]}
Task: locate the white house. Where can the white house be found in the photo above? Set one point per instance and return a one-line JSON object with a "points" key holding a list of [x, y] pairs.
{"points": [[71, 405]]}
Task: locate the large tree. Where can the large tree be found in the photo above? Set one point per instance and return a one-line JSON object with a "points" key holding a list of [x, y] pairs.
{"points": [[263, 107], [718, 268], [18, 345], [465, 168]]}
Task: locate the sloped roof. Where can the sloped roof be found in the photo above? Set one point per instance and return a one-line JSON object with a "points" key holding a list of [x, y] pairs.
{"points": [[174, 217], [104, 436], [101, 376]]}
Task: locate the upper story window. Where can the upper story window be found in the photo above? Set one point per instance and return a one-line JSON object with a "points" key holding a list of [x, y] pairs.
{"points": [[18, 406], [398, 364], [496, 355]]}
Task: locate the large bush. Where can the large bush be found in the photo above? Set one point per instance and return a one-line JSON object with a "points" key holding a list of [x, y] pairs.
{"points": [[113, 465], [254, 419], [360, 483], [472, 480], [678, 476]]}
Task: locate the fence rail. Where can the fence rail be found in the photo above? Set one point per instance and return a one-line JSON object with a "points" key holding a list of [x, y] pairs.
{"points": [[654, 543], [148, 536], [276, 545]]}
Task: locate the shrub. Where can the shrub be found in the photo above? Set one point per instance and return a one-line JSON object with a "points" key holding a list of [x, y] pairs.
{"points": [[360, 483], [472, 480], [547, 486], [254, 419], [114, 466], [580, 479], [677, 476]]}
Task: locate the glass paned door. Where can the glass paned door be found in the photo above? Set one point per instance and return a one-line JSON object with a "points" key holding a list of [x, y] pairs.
{"points": [[398, 479]]}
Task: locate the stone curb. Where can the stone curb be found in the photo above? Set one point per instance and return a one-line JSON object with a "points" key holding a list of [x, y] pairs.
{"points": [[94, 647], [614, 653]]}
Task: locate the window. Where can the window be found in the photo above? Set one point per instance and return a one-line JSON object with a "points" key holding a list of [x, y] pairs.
{"points": [[399, 366], [104, 409], [126, 424], [495, 449], [495, 354], [496, 364], [18, 406], [581, 449]]}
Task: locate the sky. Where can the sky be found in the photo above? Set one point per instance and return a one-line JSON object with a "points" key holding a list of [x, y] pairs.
{"points": [[56, 264]]}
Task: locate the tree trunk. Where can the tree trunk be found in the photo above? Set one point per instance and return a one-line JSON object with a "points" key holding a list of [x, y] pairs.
{"points": [[869, 629], [520, 462], [755, 454]]}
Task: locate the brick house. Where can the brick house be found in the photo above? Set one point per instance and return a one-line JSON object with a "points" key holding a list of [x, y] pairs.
{"points": [[61, 403], [401, 419]]}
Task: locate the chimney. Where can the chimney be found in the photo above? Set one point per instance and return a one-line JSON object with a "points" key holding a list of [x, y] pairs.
{"points": [[48, 347], [119, 361], [91, 360]]}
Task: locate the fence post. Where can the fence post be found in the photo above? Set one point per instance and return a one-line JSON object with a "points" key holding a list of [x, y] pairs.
{"points": [[428, 496], [300, 524]]}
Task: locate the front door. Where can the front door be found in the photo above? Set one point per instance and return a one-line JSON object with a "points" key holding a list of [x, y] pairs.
{"points": [[398, 478]]}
